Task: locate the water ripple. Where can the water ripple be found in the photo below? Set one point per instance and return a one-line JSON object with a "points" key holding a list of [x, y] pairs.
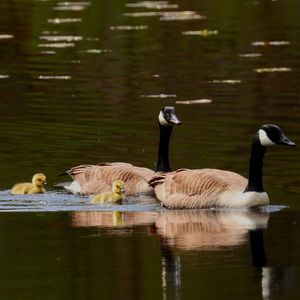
{"points": [[56, 45], [198, 101], [272, 70], [60, 38], [48, 52], [250, 54], [202, 32], [160, 96], [55, 77], [64, 20], [270, 43], [96, 51], [141, 27], [167, 16], [73, 6], [228, 81], [153, 5], [6, 36], [181, 16]]}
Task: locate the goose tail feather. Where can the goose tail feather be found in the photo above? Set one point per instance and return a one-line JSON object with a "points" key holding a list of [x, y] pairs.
{"points": [[156, 180]]}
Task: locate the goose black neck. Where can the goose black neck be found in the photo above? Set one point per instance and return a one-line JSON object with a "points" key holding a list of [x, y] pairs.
{"points": [[163, 149], [255, 167]]}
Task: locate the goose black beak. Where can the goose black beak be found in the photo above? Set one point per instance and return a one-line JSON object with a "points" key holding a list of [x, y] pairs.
{"points": [[174, 120], [287, 142]]}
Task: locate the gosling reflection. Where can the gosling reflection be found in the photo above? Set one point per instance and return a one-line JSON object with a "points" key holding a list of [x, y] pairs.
{"points": [[208, 229], [112, 218]]}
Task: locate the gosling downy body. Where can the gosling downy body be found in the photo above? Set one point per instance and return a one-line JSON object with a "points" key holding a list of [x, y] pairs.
{"points": [[37, 185], [115, 196], [205, 188], [94, 179]]}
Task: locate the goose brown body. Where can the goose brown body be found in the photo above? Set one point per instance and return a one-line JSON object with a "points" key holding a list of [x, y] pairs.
{"points": [[197, 188], [95, 179]]}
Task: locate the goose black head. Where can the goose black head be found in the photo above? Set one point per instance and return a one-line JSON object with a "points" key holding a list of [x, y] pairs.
{"points": [[167, 117], [270, 135]]}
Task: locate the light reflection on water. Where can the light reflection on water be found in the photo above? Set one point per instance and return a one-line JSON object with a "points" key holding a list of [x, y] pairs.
{"points": [[64, 20]]}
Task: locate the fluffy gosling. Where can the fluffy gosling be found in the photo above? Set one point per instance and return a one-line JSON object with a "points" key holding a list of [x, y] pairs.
{"points": [[115, 196], [37, 185]]}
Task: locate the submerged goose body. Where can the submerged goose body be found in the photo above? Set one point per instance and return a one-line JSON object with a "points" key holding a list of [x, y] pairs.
{"points": [[205, 188], [115, 196], [93, 179], [35, 187]]}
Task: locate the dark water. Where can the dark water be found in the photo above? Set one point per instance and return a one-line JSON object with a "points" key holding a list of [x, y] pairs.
{"points": [[147, 255], [83, 82]]}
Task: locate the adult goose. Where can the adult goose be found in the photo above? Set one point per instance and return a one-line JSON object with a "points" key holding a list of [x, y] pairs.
{"points": [[204, 188], [94, 179]]}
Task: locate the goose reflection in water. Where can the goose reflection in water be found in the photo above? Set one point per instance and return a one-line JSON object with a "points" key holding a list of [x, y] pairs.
{"points": [[198, 230], [214, 230], [201, 230], [208, 229], [274, 279]]}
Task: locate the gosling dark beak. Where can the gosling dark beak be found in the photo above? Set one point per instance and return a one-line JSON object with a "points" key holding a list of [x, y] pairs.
{"points": [[122, 190], [44, 183], [286, 142]]}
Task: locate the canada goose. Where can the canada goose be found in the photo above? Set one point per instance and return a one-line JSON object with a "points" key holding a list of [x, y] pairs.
{"points": [[37, 185], [217, 188], [116, 195], [94, 179]]}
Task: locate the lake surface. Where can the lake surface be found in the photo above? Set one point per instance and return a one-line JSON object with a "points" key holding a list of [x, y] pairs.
{"points": [[83, 82]]}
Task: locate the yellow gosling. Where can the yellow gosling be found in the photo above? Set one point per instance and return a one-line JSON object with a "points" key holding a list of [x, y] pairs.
{"points": [[115, 196], [37, 185]]}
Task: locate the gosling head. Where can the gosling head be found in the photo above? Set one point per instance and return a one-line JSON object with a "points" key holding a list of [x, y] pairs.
{"points": [[167, 116], [118, 187], [270, 135], [39, 180]]}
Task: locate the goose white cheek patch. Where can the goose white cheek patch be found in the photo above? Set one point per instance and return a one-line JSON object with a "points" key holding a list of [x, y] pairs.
{"points": [[264, 139], [162, 120]]}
